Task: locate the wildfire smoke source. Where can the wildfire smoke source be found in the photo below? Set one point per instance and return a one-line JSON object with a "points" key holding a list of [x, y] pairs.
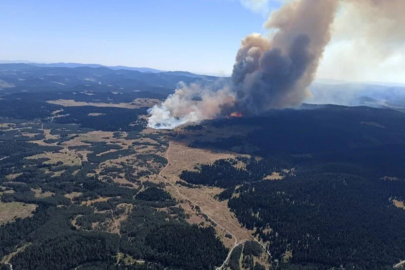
{"points": [[236, 114], [273, 72]]}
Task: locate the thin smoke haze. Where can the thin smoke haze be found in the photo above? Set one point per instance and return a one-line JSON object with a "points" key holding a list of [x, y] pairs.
{"points": [[272, 72]]}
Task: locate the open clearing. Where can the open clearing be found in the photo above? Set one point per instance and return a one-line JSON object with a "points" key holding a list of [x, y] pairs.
{"points": [[10, 211], [73, 103], [136, 104], [274, 176], [40, 194], [181, 158], [399, 204], [65, 156]]}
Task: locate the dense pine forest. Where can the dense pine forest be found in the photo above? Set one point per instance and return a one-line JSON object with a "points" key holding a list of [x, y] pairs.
{"points": [[337, 204]]}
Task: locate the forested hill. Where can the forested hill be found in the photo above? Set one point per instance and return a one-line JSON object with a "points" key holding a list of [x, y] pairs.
{"points": [[336, 200]]}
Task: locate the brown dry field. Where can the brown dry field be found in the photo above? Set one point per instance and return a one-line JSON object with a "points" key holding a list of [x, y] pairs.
{"points": [[146, 140], [10, 211], [399, 204], [72, 103], [106, 152], [99, 136], [181, 158], [58, 173], [136, 104], [101, 199], [123, 181], [29, 135], [73, 195], [40, 194], [274, 176], [65, 156], [13, 176]]}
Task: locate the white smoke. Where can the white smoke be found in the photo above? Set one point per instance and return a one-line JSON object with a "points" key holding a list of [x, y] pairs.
{"points": [[190, 104]]}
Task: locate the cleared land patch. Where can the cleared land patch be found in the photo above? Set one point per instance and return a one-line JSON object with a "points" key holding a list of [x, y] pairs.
{"points": [[399, 204], [274, 176], [65, 156], [182, 158], [13, 210], [40, 194], [136, 104]]}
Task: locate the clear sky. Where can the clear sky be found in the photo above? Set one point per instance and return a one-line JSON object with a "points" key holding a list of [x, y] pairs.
{"points": [[200, 36], [195, 35]]}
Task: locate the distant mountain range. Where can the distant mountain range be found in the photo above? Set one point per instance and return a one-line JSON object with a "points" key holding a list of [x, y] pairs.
{"points": [[75, 65], [35, 77], [32, 77]]}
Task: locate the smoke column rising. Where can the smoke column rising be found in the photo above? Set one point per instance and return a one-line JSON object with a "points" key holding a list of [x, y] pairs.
{"points": [[276, 73], [190, 104], [270, 72]]}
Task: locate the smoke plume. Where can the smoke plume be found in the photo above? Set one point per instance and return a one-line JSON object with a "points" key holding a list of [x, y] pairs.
{"points": [[368, 42], [190, 104], [274, 71]]}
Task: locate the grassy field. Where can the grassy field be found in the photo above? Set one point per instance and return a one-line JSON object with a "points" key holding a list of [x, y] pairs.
{"points": [[13, 210]]}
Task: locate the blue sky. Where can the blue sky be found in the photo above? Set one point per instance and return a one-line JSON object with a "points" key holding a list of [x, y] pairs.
{"points": [[195, 35], [200, 36]]}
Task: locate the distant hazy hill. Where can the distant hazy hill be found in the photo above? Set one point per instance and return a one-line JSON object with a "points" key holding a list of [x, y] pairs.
{"points": [[15, 77], [355, 94], [71, 76], [75, 65]]}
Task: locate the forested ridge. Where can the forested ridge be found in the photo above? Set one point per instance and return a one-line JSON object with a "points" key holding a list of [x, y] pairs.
{"points": [[342, 170], [326, 215]]}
